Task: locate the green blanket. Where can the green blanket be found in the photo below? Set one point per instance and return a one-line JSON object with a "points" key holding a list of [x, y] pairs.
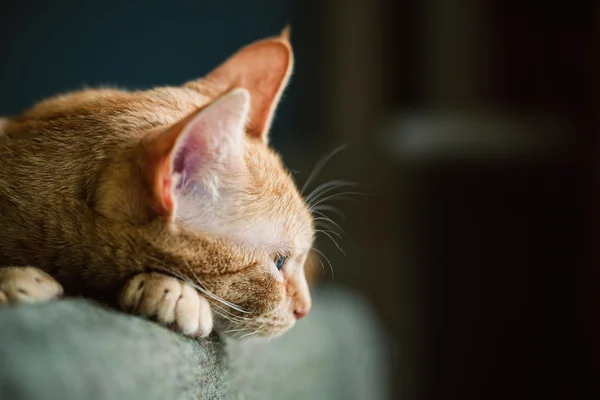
{"points": [[74, 349]]}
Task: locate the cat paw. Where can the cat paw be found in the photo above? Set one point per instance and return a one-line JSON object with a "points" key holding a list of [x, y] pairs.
{"points": [[168, 301], [27, 285]]}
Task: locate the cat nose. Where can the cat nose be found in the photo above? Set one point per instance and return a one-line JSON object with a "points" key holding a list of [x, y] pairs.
{"points": [[299, 314]]}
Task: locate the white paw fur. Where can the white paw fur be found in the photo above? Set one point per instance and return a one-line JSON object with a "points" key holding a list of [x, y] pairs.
{"points": [[27, 285], [169, 301]]}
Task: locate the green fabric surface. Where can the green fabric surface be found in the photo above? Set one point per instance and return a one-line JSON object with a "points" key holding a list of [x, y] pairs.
{"points": [[74, 349]]}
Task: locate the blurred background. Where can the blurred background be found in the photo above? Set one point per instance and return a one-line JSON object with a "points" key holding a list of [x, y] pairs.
{"points": [[471, 126]]}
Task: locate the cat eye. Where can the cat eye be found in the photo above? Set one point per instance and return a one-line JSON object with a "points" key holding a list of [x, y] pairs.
{"points": [[279, 261]]}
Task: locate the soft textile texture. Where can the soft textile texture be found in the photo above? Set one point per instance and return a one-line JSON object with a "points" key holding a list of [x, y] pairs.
{"points": [[73, 349]]}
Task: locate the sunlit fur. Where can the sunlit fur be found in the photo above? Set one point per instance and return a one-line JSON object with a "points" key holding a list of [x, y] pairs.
{"points": [[74, 201]]}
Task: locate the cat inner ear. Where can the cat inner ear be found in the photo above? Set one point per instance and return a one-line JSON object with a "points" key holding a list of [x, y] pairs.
{"points": [[205, 141], [264, 68]]}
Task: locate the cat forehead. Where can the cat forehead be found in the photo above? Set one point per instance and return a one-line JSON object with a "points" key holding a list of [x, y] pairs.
{"points": [[133, 110], [276, 198]]}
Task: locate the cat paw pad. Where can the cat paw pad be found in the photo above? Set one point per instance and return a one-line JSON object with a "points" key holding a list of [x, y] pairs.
{"points": [[169, 301], [27, 285]]}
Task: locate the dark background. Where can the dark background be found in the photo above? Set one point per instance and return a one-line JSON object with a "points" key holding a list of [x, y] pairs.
{"points": [[471, 125]]}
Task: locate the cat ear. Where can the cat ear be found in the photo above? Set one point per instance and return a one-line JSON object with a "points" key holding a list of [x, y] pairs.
{"points": [[3, 123], [204, 140], [264, 68]]}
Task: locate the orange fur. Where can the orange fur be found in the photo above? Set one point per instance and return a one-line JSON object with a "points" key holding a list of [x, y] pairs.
{"points": [[86, 186]]}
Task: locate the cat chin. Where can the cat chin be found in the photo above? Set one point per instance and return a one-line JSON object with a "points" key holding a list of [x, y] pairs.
{"points": [[267, 332], [275, 333], [259, 337]]}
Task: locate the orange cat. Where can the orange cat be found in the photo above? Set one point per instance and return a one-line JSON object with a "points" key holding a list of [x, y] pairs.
{"points": [[169, 199]]}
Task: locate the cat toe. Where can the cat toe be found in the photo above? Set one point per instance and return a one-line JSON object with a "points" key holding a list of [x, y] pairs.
{"points": [[132, 292], [27, 285], [165, 309], [159, 298], [193, 314], [187, 311], [169, 302], [205, 319]]}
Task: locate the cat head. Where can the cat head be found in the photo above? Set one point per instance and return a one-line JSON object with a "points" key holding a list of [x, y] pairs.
{"points": [[211, 180]]}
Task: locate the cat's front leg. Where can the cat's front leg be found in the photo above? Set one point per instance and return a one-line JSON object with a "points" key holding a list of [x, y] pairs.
{"points": [[27, 285], [169, 301]]}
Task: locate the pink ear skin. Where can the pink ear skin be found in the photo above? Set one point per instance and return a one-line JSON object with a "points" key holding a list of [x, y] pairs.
{"points": [[158, 148], [195, 142], [263, 68]]}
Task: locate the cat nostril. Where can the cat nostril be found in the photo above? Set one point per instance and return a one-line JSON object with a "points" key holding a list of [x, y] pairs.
{"points": [[299, 314]]}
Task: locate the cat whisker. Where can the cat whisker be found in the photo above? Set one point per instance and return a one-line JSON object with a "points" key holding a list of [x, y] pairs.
{"points": [[323, 224], [319, 255], [328, 262], [226, 317], [252, 334], [328, 230], [337, 195], [208, 293], [334, 183], [318, 258], [332, 239], [247, 334], [322, 266], [255, 335], [325, 217], [235, 330], [311, 263], [319, 166], [329, 224], [325, 188], [230, 315], [326, 207], [233, 324], [201, 289]]}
